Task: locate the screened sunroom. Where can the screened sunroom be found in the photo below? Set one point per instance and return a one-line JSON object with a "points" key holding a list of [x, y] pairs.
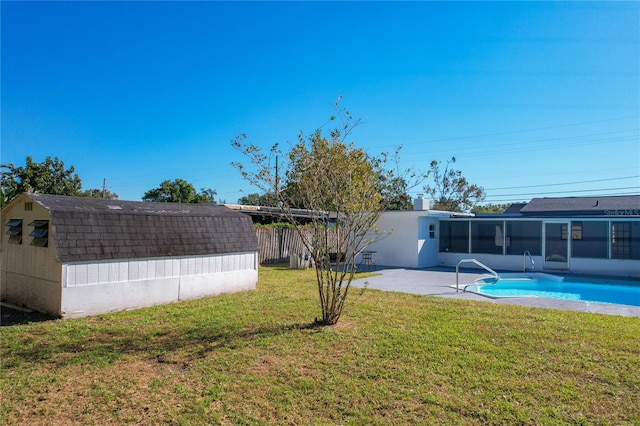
{"points": [[602, 241]]}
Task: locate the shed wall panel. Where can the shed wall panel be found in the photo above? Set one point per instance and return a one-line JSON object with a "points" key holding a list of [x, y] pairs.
{"points": [[86, 299], [81, 274], [117, 296], [160, 270], [197, 286], [123, 271], [113, 272], [94, 273], [103, 273], [175, 267], [33, 292], [134, 270], [142, 269]]}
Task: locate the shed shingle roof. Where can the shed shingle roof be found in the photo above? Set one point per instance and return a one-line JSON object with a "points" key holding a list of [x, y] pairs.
{"points": [[93, 229]]}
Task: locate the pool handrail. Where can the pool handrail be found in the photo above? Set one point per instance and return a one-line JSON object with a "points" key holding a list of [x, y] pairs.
{"points": [[482, 265], [526, 254]]}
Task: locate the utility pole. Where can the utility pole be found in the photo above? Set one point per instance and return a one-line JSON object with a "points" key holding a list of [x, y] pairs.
{"points": [[277, 179], [104, 187]]}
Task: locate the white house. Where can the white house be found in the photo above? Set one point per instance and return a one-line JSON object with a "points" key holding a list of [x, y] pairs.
{"points": [[580, 235], [409, 239], [72, 256]]}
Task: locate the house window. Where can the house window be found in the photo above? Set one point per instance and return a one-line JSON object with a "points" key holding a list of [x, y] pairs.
{"points": [[15, 231], [454, 236], [589, 239], [576, 230], [625, 240], [524, 236], [40, 233], [432, 231], [487, 237]]}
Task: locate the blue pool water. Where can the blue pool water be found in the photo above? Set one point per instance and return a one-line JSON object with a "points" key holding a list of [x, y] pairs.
{"points": [[554, 287]]}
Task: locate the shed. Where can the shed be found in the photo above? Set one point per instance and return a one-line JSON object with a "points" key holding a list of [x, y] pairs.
{"points": [[73, 256]]}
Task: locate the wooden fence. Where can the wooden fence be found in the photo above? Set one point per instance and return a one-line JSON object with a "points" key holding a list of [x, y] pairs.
{"points": [[276, 244]]}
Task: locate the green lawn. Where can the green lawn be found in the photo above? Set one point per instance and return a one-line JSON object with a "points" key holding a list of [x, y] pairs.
{"points": [[255, 358]]}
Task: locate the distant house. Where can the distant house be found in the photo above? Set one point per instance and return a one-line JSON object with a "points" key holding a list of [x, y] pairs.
{"points": [[72, 256]]}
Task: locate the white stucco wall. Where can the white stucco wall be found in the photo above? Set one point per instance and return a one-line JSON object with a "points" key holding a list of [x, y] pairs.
{"points": [[90, 288], [407, 242], [494, 261], [612, 267], [604, 267]]}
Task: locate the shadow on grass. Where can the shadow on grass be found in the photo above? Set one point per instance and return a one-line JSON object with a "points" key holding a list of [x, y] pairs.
{"points": [[89, 344], [9, 317]]}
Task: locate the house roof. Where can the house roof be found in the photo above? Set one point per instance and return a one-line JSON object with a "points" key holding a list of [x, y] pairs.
{"points": [[275, 213], [628, 205], [95, 229], [514, 208]]}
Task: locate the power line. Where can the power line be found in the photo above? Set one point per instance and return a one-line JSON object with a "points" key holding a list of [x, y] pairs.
{"points": [[521, 130], [561, 184], [525, 146], [514, 199], [528, 194], [551, 173]]}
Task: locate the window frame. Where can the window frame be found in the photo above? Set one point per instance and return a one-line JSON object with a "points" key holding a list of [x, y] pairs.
{"points": [[522, 240], [625, 243], [40, 233], [589, 239], [14, 231], [449, 243]]}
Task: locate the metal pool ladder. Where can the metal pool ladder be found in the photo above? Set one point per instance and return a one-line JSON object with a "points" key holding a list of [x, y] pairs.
{"points": [[480, 264], [524, 261]]}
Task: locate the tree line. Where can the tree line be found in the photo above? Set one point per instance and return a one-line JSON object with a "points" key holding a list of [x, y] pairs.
{"points": [[52, 177], [449, 189]]}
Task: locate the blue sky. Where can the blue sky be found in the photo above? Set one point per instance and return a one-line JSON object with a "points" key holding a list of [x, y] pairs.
{"points": [[532, 98]]}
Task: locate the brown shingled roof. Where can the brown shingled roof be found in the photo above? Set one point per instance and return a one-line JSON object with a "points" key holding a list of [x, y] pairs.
{"points": [[95, 229]]}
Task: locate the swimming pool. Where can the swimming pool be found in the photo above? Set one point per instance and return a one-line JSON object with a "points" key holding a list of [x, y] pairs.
{"points": [[556, 287]]}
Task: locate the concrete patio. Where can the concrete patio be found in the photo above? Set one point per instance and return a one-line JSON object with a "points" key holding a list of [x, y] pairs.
{"points": [[441, 282]]}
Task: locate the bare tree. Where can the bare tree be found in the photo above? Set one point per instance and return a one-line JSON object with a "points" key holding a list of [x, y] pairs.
{"points": [[340, 187], [450, 190]]}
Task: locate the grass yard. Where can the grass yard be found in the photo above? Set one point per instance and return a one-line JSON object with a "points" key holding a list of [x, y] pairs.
{"points": [[254, 358]]}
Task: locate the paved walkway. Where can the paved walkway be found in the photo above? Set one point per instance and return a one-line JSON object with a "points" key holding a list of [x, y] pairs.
{"points": [[441, 282]]}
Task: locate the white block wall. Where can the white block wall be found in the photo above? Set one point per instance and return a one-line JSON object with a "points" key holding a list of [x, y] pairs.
{"points": [[408, 243], [605, 267], [90, 288]]}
